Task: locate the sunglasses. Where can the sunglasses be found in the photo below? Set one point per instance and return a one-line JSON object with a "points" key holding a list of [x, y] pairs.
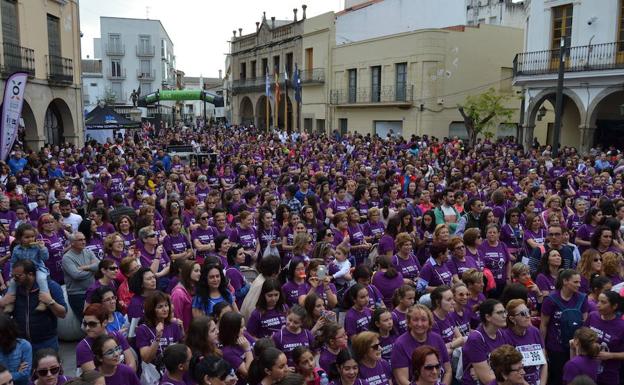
{"points": [[597, 259], [376, 347], [432, 367], [113, 268], [523, 313], [203, 218], [52, 371], [90, 324], [112, 352]]}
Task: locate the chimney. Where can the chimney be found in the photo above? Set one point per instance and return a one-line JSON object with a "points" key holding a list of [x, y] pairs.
{"points": [[263, 16], [304, 7], [220, 74], [257, 26], [272, 22], [295, 13], [234, 33], [240, 32]]}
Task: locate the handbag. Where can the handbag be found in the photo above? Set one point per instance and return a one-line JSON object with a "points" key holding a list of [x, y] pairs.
{"points": [[150, 375]]}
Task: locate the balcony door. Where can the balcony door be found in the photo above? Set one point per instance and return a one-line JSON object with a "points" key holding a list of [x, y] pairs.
{"points": [[561, 29]]}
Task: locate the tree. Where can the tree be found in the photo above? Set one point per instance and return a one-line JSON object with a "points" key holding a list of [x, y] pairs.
{"points": [[483, 111]]}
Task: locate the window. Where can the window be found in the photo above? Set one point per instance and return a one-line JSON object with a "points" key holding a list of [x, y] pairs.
{"points": [[115, 68], [376, 84], [146, 68], [352, 85], [163, 48], [309, 58], [401, 82], [289, 64], [265, 66], [493, 20], [243, 70], [114, 42], [320, 126], [10, 30], [145, 45], [116, 90], [307, 125], [562, 25], [276, 64], [253, 69], [146, 88], [54, 36], [344, 125]]}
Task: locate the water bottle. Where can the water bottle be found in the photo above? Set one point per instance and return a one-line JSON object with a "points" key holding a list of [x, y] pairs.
{"points": [[324, 379]]}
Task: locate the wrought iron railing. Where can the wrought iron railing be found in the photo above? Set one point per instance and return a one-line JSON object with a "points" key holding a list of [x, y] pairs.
{"points": [[115, 49], [60, 69], [595, 57], [146, 75], [117, 75], [383, 94], [312, 76], [145, 51], [16, 58]]}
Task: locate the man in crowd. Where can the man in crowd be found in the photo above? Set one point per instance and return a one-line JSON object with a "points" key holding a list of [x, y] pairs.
{"points": [[79, 264]]}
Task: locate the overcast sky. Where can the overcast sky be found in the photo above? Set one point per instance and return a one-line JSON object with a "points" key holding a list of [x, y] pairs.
{"points": [[200, 29]]}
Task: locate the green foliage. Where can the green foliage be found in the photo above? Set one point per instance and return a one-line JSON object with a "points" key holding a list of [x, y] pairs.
{"points": [[484, 111]]}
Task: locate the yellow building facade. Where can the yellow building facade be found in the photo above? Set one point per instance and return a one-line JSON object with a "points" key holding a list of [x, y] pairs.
{"points": [[411, 83], [42, 38]]}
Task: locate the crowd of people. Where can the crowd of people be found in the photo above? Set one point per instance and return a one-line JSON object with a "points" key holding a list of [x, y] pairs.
{"points": [[307, 259]]}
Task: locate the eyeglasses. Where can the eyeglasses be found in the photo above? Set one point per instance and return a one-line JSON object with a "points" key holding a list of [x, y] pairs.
{"points": [[376, 347], [90, 324], [523, 313], [52, 371], [520, 369], [113, 268], [203, 218], [432, 367], [459, 247], [112, 352]]}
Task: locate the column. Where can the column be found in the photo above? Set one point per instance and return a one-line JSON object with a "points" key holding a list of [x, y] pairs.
{"points": [[527, 136], [587, 139]]}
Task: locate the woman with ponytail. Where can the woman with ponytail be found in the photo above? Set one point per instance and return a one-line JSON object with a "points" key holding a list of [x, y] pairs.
{"points": [[211, 370], [267, 368], [585, 349]]}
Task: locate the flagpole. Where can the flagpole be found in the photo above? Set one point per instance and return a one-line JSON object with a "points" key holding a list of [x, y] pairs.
{"points": [[267, 112], [286, 104]]}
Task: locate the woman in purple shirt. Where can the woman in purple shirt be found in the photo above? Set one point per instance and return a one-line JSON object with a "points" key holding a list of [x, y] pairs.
{"points": [[141, 284], [496, 257], [404, 260], [270, 313], [359, 315], [435, 271], [387, 279], [107, 354], [482, 341], [442, 303], [567, 294], [609, 327], [334, 338], [459, 261], [548, 271], [585, 232], [367, 352], [47, 368], [420, 322], [382, 323], [236, 347], [176, 244], [54, 240]]}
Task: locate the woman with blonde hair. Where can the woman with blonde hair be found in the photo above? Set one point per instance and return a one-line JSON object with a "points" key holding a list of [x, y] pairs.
{"points": [[302, 246], [441, 234], [589, 266], [405, 260], [367, 353], [612, 267]]}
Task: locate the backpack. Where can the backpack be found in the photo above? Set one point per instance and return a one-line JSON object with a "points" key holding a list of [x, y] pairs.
{"points": [[571, 319]]}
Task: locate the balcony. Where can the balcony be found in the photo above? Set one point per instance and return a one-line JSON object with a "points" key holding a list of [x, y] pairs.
{"points": [[17, 59], [117, 75], [312, 76], [60, 69], [91, 68], [146, 75], [251, 84], [596, 57], [145, 51], [115, 49], [384, 96]]}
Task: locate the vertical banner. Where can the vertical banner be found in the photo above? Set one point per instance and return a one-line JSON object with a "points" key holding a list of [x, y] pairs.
{"points": [[11, 111]]}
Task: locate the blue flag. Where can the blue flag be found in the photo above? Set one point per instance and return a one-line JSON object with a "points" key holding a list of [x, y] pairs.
{"points": [[297, 84], [267, 85]]}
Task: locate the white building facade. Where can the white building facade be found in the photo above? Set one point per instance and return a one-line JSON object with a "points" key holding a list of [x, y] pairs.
{"points": [[594, 70], [135, 53]]}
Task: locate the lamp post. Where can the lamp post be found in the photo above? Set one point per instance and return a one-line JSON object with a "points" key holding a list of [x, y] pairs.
{"points": [[559, 98]]}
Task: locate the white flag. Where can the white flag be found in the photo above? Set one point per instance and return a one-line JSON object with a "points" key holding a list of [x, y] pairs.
{"points": [[11, 111]]}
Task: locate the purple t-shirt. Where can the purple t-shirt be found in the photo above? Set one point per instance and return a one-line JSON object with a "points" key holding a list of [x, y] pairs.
{"points": [[457, 267], [386, 244], [326, 359], [387, 343], [611, 338], [287, 341], [496, 259], [444, 327], [235, 356], [84, 353], [477, 349], [405, 344], [55, 244], [433, 274], [264, 324], [245, 237], [357, 321], [205, 236], [135, 308], [399, 320], [408, 267], [549, 308], [545, 282], [462, 321], [176, 244], [145, 335], [529, 343], [292, 291], [381, 374], [580, 365], [387, 286], [124, 375]]}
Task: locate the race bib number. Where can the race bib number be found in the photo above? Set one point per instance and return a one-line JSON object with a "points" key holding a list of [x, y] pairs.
{"points": [[532, 355]]}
